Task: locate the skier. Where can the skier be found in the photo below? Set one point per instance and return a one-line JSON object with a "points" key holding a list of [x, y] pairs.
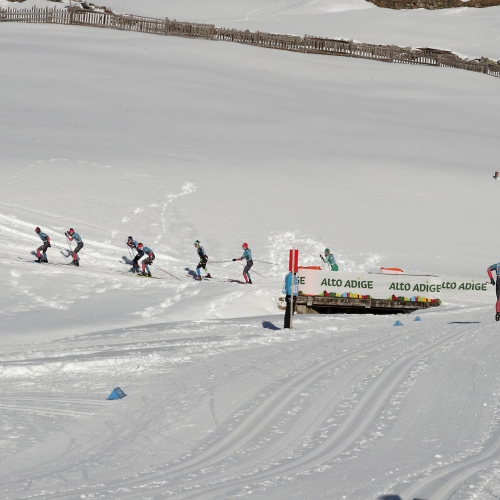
{"points": [[287, 291], [42, 251], [71, 235], [247, 254], [131, 243], [330, 260], [496, 268], [137, 258], [203, 261], [148, 260]]}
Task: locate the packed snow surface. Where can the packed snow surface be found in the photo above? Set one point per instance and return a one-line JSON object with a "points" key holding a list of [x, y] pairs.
{"points": [[466, 31], [172, 140]]}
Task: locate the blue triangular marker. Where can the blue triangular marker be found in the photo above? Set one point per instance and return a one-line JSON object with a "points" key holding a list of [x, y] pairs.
{"points": [[417, 319], [116, 394], [398, 323]]}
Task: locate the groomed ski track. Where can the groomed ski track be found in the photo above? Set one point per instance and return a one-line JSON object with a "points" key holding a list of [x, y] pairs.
{"points": [[173, 140], [336, 402]]}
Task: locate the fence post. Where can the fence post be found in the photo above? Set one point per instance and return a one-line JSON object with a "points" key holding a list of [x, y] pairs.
{"points": [[351, 44], [167, 26]]}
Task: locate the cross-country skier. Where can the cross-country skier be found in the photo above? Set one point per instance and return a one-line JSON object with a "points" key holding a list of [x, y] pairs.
{"points": [[203, 261], [247, 254], [330, 260], [71, 235], [137, 258], [41, 252], [496, 268], [131, 243], [289, 292], [148, 260]]}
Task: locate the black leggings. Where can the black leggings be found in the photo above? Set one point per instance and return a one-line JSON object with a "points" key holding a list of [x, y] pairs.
{"points": [[43, 248], [77, 249], [498, 289], [248, 266], [203, 263]]}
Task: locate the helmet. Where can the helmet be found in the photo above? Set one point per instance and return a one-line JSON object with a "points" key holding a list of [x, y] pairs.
{"points": [[130, 238], [197, 243], [327, 250], [71, 230], [139, 245], [37, 230], [245, 245]]}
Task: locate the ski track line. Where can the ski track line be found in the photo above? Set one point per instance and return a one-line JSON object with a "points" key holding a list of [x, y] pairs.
{"points": [[450, 477], [55, 400], [357, 422], [237, 438], [71, 413], [320, 407]]}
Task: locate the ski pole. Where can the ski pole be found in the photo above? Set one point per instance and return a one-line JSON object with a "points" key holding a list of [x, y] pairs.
{"points": [[252, 270], [130, 252], [70, 246], [166, 272], [264, 262]]}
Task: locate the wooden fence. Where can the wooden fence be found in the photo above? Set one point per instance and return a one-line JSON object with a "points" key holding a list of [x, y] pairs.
{"points": [[309, 44]]}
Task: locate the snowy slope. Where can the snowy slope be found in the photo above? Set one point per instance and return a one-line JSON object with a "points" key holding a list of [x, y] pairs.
{"points": [[470, 32], [172, 140]]}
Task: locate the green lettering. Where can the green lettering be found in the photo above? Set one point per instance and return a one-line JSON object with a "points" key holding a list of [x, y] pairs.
{"points": [[323, 283], [461, 287]]}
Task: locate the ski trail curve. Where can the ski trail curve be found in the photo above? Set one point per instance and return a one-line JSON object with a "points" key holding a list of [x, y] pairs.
{"points": [[358, 421]]}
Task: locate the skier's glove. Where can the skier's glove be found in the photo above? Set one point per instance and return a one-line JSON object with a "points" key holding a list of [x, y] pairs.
{"points": [[234, 260], [492, 281]]}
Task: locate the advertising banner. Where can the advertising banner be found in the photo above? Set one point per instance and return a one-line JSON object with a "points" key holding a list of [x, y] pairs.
{"points": [[400, 287]]}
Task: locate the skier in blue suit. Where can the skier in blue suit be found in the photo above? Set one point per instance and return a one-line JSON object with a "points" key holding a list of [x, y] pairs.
{"points": [[41, 252], [148, 260], [131, 243], [203, 261], [496, 268], [71, 235], [247, 254], [290, 291], [140, 253]]}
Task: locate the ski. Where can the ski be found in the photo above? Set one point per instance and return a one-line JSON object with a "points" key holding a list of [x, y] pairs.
{"points": [[31, 261], [237, 282], [141, 276]]}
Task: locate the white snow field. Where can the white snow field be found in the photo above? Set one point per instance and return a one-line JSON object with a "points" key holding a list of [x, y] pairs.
{"points": [[172, 140], [466, 31]]}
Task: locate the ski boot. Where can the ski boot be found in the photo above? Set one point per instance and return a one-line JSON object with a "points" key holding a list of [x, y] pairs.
{"points": [[76, 263], [198, 278], [45, 261], [38, 260], [208, 275], [497, 316], [249, 282]]}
